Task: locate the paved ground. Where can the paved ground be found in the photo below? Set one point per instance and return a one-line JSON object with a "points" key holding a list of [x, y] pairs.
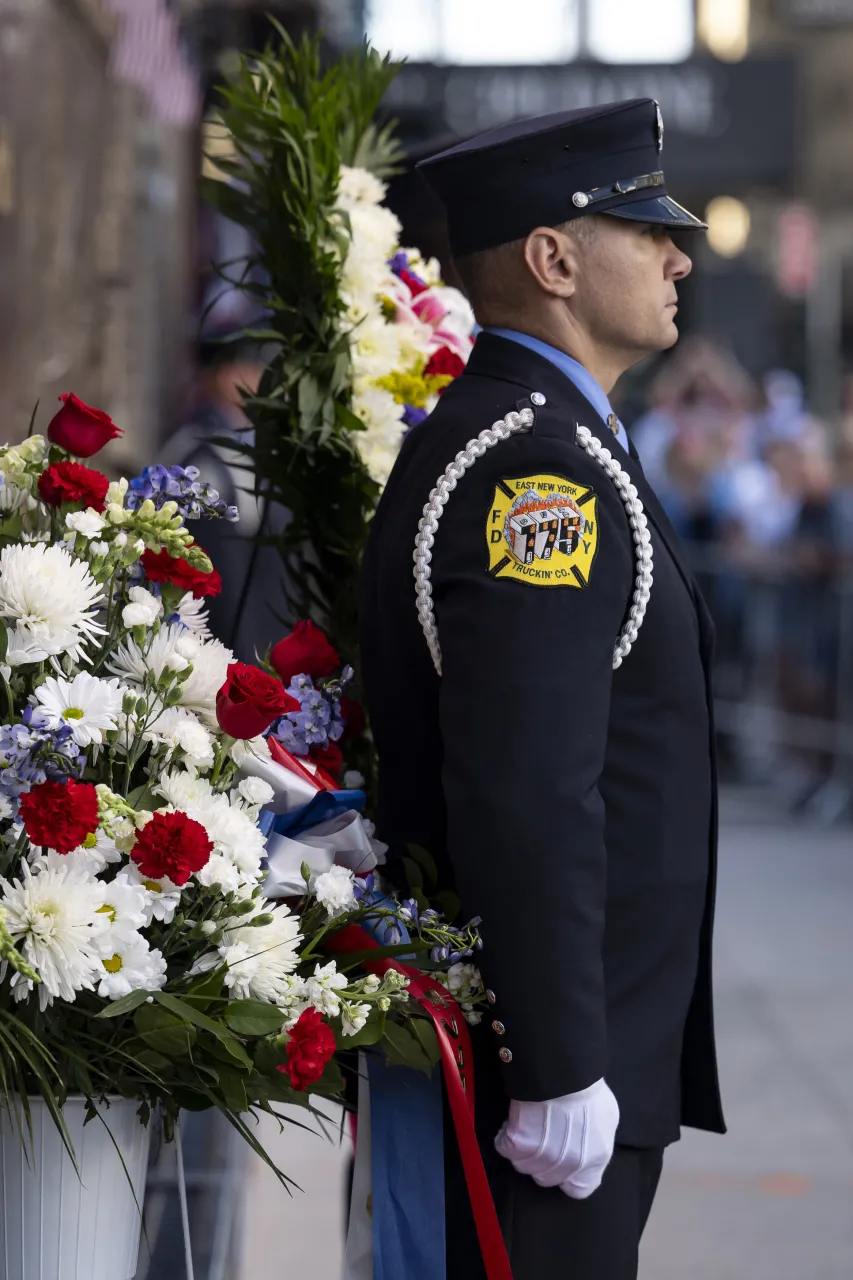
{"points": [[774, 1199]]}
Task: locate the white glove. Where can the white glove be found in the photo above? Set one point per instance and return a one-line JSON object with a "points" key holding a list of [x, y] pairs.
{"points": [[566, 1142]]}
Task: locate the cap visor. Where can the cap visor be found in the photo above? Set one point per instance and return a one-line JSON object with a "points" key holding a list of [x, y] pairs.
{"points": [[662, 209]]}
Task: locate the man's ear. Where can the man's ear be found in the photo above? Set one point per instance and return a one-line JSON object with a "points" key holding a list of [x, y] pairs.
{"points": [[551, 257]]}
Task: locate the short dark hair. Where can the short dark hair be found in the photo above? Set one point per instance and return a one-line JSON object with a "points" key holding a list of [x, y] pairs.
{"points": [[487, 274]]}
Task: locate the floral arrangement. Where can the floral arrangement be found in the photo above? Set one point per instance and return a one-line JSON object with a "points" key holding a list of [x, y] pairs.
{"points": [[410, 335], [145, 779]]}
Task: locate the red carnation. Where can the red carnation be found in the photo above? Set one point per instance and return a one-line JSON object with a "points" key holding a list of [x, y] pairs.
{"points": [[173, 845], [80, 429], [310, 1047], [305, 652], [329, 758], [60, 814], [159, 566], [416, 285], [250, 700], [444, 363], [72, 482]]}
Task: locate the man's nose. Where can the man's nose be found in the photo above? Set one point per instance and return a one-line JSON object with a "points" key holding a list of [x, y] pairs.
{"points": [[679, 265]]}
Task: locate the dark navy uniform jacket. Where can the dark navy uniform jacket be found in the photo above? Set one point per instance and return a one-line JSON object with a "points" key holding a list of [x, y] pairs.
{"points": [[573, 807]]}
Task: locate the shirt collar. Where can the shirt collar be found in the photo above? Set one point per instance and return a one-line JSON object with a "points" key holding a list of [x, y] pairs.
{"points": [[576, 373]]}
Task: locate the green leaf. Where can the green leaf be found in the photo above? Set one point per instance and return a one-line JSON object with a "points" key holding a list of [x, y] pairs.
{"points": [[253, 1018], [126, 1005], [448, 904], [425, 861], [4, 642], [173, 1042], [182, 1009], [154, 1061], [414, 878], [233, 1090], [371, 1033], [424, 1032], [403, 1048]]}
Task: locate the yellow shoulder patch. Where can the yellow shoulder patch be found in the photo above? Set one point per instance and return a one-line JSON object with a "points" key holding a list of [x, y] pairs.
{"points": [[543, 531]]}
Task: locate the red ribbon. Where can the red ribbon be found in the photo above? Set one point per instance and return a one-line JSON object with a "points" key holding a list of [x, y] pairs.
{"points": [[454, 1044]]}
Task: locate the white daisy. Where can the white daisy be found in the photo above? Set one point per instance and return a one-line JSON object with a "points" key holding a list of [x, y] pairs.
{"points": [[260, 960], [161, 896], [133, 966], [125, 907], [144, 608], [192, 614], [88, 706], [55, 915], [51, 598]]}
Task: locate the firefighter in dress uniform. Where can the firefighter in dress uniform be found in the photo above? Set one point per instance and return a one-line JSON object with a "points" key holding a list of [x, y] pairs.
{"points": [[542, 710]]}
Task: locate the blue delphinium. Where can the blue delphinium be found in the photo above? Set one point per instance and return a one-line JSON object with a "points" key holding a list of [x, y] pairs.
{"points": [[31, 753], [318, 721], [196, 499]]}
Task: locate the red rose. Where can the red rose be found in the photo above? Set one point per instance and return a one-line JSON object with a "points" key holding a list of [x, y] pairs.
{"points": [[159, 566], [305, 652], [444, 363], [250, 700], [310, 1047], [81, 429], [416, 285], [173, 845], [355, 721], [72, 482], [329, 758], [60, 814]]}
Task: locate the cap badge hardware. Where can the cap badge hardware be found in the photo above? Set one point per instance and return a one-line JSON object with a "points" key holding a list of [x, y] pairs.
{"points": [[659, 122], [580, 199]]}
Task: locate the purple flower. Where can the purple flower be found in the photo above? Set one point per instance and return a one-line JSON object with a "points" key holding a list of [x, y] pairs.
{"points": [[31, 753], [412, 416], [399, 262], [196, 499]]}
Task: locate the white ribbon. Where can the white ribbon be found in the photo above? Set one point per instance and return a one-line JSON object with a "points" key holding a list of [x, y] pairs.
{"points": [[341, 841]]}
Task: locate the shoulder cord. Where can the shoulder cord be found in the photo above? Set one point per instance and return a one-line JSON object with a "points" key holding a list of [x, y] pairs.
{"points": [[502, 430]]}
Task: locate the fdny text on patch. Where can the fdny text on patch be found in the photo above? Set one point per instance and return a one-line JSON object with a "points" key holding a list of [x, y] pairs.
{"points": [[543, 531]]}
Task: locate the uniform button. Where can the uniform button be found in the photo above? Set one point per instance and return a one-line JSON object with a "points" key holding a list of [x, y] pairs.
{"points": [[536, 397], [491, 997], [498, 1028], [505, 1055]]}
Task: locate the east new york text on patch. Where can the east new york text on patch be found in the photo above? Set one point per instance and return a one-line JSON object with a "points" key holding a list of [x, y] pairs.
{"points": [[542, 531]]}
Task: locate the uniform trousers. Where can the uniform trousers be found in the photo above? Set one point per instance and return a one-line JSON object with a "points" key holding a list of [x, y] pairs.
{"points": [[548, 1235]]}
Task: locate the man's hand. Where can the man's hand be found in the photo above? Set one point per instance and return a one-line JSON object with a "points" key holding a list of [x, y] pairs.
{"points": [[566, 1142]]}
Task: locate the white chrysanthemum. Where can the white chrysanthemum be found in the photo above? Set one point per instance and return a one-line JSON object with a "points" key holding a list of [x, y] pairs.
{"points": [[88, 706], [192, 614], [238, 843], [161, 896], [374, 228], [158, 654], [178, 729], [322, 987], [210, 661], [359, 186], [89, 523], [51, 598], [335, 890], [133, 966], [144, 608], [260, 960], [55, 915], [376, 348]]}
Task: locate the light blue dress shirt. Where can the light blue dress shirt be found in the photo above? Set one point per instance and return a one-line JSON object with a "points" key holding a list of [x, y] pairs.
{"points": [[576, 373]]}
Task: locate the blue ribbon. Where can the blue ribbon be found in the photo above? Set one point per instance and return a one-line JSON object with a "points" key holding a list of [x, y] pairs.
{"points": [[407, 1195], [323, 806]]}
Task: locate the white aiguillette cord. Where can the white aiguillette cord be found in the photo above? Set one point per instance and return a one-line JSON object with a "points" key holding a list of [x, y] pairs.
{"points": [[502, 430], [182, 1196]]}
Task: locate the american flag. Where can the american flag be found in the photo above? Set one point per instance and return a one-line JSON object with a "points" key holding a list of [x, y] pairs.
{"points": [[148, 51]]}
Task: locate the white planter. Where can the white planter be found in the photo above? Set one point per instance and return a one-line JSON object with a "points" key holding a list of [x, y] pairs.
{"points": [[56, 1226]]}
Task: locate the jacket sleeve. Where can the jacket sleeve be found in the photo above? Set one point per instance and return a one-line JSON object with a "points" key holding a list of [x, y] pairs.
{"points": [[524, 706]]}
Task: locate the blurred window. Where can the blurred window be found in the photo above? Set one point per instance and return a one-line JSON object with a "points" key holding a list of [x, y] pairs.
{"points": [[628, 31], [544, 31]]}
